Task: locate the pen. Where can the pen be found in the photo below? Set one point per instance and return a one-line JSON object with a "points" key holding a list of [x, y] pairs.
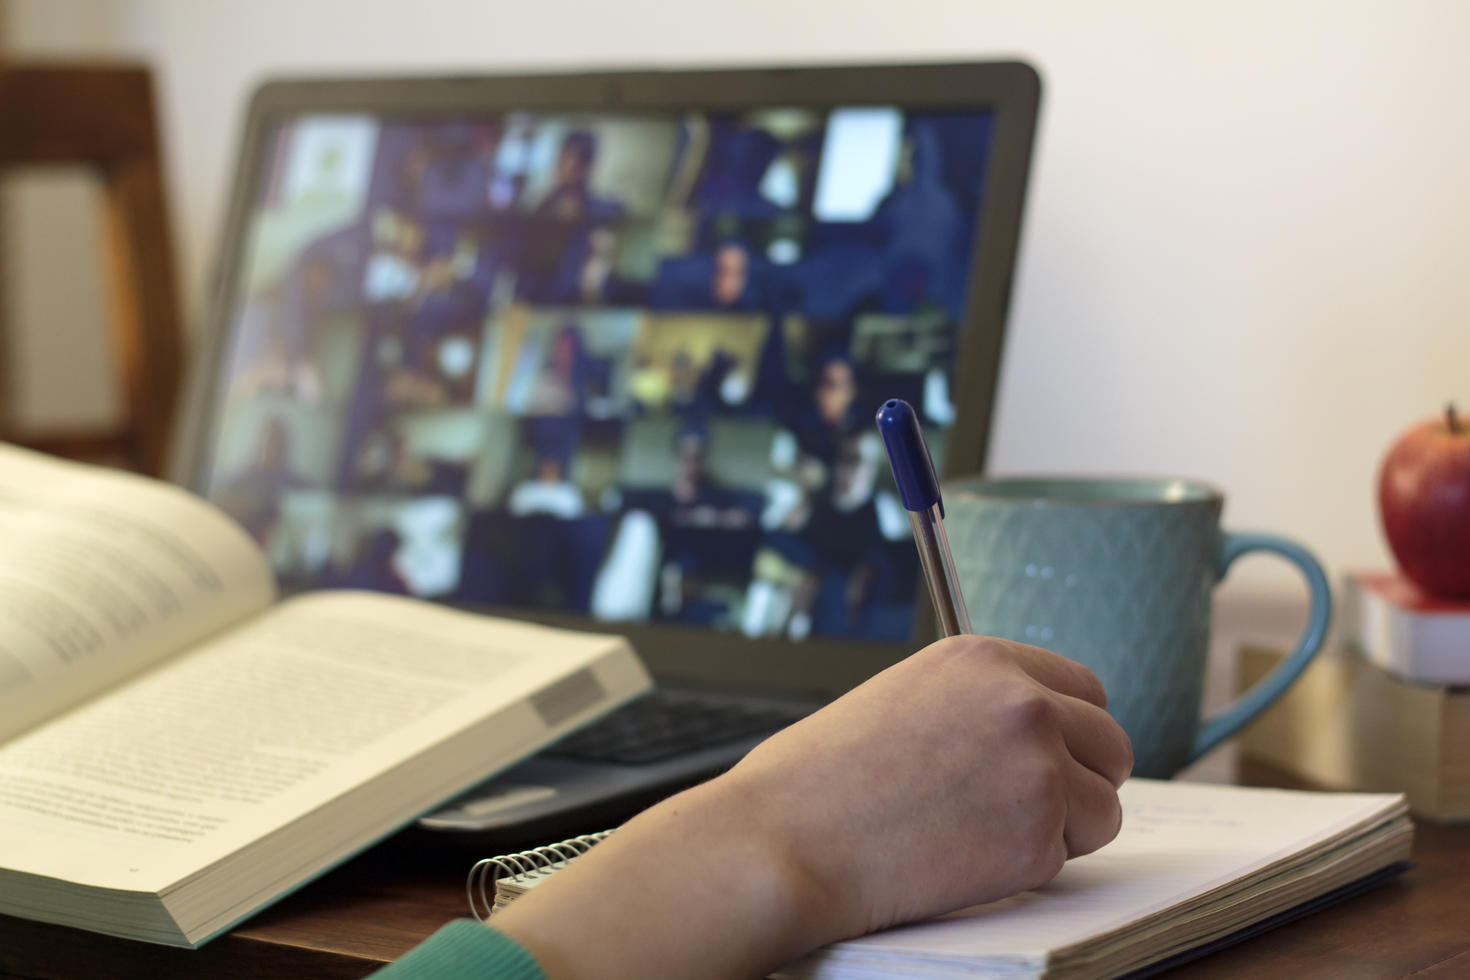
{"points": [[918, 489]]}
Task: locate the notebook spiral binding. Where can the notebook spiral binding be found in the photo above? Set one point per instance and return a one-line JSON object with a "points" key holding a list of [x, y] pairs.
{"points": [[521, 865]]}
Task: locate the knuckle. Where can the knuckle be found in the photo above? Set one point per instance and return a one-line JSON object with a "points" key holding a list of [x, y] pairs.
{"points": [[1030, 711], [1093, 689]]}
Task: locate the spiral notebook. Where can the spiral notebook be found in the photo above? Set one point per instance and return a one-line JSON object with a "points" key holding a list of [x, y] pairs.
{"points": [[1195, 867]]}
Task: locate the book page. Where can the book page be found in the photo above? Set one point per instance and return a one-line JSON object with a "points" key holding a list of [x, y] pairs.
{"points": [[104, 573], [233, 740]]}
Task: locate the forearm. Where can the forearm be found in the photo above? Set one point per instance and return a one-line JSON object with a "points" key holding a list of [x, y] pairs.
{"points": [[696, 886]]}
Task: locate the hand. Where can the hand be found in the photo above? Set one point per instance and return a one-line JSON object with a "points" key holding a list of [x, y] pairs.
{"points": [[966, 773]]}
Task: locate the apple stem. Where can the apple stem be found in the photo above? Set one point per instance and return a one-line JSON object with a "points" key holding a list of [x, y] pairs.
{"points": [[1452, 419]]}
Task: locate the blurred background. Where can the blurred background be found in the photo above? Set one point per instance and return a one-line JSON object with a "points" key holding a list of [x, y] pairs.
{"points": [[1243, 257]]}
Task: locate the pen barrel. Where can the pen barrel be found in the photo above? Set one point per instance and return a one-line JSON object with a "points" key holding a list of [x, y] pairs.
{"points": [[939, 574]]}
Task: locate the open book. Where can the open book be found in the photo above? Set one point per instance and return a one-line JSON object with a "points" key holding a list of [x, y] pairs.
{"points": [[1194, 866], [178, 750]]}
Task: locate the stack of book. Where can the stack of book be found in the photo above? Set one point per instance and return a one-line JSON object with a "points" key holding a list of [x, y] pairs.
{"points": [[1391, 711]]}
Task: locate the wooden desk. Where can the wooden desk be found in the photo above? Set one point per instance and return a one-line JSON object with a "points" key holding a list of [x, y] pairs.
{"points": [[374, 909]]}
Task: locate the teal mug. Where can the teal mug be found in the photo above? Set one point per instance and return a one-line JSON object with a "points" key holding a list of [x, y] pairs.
{"points": [[1118, 575]]}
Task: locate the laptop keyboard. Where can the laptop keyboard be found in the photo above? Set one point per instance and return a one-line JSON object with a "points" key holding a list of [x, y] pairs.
{"points": [[667, 723]]}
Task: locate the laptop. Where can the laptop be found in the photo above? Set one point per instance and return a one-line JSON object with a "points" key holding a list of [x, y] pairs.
{"points": [[603, 351]]}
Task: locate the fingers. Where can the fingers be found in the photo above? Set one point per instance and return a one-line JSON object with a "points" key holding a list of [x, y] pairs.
{"points": [[1094, 813], [1095, 740], [1092, 737], [1058, 673]]}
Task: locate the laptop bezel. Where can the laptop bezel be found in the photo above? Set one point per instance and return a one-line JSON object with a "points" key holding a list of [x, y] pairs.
{"points": [[1010, 90]]}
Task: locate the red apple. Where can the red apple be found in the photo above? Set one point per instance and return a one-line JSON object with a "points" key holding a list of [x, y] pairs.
{"points": [[1424, 499]]}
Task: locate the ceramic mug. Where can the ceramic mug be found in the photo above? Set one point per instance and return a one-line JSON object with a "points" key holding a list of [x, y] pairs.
{"points": [[1118, 575]]}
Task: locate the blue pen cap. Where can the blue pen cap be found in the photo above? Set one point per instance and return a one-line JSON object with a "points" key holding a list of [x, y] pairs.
{"points": [[908, 454]]}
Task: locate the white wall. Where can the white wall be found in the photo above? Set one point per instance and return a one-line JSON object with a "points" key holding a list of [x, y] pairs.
{"points": [[1245, 249]]}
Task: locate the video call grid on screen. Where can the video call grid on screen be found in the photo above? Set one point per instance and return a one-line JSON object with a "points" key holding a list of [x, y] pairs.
{"points": [[617, 365]]}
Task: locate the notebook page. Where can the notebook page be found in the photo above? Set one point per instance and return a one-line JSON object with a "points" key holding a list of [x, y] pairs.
{"points": [[1178, 840]]}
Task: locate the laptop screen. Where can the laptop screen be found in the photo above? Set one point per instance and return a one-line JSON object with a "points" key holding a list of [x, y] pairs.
{"points": [[623, 366]]}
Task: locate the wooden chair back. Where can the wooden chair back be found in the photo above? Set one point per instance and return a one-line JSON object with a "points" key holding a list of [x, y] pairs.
{"points": [[103, 117]]}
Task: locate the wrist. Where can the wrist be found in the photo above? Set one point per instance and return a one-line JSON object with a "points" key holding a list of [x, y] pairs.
{"points": [[746, 840], [705, 883]]}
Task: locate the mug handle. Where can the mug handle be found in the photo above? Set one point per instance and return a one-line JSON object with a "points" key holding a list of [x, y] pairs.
{"points": [[1216, 729]]}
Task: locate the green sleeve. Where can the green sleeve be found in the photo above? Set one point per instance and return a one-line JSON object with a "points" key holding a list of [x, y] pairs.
{"points": [[462, 950]]}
